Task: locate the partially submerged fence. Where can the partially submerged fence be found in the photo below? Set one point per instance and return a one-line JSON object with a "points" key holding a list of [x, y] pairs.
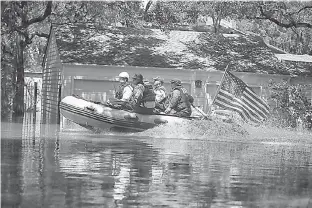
{"points": [[51, 82], [32, 99]]}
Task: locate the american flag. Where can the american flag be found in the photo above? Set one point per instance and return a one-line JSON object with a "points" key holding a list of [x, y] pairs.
{"points": [[235, 95]]}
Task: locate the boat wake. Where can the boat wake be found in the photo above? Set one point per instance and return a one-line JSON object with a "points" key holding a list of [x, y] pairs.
{"points": [[282, 136], [196, 129], [229, 132], [214, 130]]}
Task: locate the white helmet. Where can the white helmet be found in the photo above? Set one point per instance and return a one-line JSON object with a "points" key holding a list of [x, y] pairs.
{"points": [[124, 75]]}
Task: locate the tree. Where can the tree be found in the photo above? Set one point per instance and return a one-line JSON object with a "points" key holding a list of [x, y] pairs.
{"points": [[243, 53], [7, 74], [102, 13], [218, 10], [287, 15], [286, 25], [166, 14], [17, 21]]}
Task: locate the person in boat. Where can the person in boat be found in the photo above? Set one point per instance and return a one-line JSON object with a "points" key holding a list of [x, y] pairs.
{"points": [[138, 90], [178, 101], [159, 90], [124, 90], [160, 95], [123, 93]]}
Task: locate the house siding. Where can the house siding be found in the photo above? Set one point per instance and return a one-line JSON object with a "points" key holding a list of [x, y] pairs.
{"points": [[97, 82]]}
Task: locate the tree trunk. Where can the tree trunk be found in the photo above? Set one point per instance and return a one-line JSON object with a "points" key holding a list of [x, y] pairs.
{"points": [[18, 101], [216, 26], [5, 103]]}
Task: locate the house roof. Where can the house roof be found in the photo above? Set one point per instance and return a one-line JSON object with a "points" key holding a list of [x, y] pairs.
{"points": [[86, 44], [293, 57]]}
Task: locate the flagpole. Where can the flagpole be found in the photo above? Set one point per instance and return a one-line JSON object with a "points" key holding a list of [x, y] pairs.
{"points": [[222, 79]]}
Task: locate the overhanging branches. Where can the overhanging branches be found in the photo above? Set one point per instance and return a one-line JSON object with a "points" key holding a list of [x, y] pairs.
{"points": [[292, 23]]}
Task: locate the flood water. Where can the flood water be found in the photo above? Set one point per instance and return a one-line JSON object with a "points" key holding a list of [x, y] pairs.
{"points": [[163, 167]]}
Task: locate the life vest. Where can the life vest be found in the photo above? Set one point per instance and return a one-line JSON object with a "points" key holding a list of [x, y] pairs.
{"points": [[184, 101], [160, 94], [119, 91], [137, 100]]}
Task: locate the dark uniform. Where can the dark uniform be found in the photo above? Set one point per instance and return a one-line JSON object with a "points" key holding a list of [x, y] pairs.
{"points": [[178, 101], [138, 90]]}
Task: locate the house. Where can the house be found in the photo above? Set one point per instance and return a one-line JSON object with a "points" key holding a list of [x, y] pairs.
{"points": [[85, 60]]}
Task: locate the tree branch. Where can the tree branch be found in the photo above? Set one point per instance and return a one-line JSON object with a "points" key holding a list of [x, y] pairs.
{"points": [[148, 5], [304, 8], [46, 13], [277, 22], [43, 35]]}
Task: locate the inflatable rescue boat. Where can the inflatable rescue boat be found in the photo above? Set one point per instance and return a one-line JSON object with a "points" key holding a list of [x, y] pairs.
{"points": [[94, 115]]}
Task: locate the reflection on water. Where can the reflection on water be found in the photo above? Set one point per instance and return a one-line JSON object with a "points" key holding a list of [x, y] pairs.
{"points": [[79, 169]]}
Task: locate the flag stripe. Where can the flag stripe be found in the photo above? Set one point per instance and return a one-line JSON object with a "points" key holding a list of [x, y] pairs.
{"points": [[247, 105], [222, 105], [251, 98], [235, 95], [225, 106], [248, 98], [255, 114], [260, 101], [254, 108], [234, 105], [238, 109], [229, 99]]}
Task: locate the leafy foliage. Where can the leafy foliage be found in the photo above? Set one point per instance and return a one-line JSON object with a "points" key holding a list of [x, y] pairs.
{"points": [[286, 25], [248, 54], [23, 22], [85, 44], [124, 46], [7, 85], [171, 14], [292, 104], [219, 10], [20, 23], [99, 13]]}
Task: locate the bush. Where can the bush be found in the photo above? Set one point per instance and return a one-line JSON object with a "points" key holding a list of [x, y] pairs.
{"points": [[292, 105]]}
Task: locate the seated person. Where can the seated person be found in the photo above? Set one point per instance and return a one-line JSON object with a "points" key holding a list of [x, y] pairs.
{"points": [[138, 90], [159, 90], [139, 94], [160, 95], [148, 99], [178, 100], [124, 91]]}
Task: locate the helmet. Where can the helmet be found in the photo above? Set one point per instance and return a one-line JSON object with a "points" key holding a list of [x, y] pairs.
{"points": [[175, 81], [158, 79], [124, 75]]}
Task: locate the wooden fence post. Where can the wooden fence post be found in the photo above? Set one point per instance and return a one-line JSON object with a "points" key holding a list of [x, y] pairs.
{"points": [[35, 102], [58, 106]]}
